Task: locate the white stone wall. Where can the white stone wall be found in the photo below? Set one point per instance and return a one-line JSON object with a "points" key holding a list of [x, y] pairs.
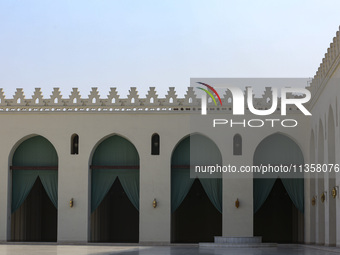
{"points": [[323, 221], [94, 127]]}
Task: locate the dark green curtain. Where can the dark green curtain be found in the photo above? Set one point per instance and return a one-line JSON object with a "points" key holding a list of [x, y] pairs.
{"points": [[295, 190], [35, 151], [294, 187], [180, 186], [115, 151], [102, 180], [278, 149], [49, 180], [23, 181], [213, 188], [261, 190], [194, 150]]}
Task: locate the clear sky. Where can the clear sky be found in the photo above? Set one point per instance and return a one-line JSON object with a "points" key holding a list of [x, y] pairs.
{"points": [[160, 43]]}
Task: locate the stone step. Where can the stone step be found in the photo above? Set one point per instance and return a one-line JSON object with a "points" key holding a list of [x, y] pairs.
{"points": [[237, 245], [238, 240]]}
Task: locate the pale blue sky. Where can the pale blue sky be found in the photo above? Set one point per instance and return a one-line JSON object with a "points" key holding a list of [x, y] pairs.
{"points": [[140, 44]]}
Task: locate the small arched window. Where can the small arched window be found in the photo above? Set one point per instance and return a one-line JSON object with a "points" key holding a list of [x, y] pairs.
{"points": [[237, 145], [74, 144], [155, 143]]}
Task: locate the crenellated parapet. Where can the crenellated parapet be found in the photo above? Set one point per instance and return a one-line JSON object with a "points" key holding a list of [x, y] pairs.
{"points": [[327, 67], [114, 103]]}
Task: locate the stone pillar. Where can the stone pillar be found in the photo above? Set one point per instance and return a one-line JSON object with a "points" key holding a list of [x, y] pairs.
{"points": [[155, 177], [309, 210], [320, 217], [73, 182], [5, 197], [326, 208], [237, 222]]}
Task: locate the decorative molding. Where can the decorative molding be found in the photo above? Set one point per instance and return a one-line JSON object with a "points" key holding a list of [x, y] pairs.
{"points": [[132, 104]]}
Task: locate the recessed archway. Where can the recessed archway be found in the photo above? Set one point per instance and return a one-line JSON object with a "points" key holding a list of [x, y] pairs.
{"points": [[196, 203], [115, 191], [278, 201], [34, 191]]}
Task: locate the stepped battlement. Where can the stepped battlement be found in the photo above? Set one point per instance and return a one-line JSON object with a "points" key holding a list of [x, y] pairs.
{"points": [[327, 66], [114, 103]]}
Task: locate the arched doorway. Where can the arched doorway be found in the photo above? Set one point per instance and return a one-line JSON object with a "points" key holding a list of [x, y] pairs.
{"points": [[278, 201], [196, 204], [115, 192], [34, 191]]}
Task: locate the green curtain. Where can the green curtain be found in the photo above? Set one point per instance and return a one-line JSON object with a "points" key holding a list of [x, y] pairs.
{"points": [[295, 190], [102, 180], [195, 150], [35, 151], [261, 190], [203, 151], [49, 180], [130, 182], [213, 189], [278, 149], [23, 181], [115, 151], [180, 186]]}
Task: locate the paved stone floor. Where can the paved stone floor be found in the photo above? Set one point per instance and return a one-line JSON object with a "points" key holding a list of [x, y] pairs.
{"points": [[18, 249]]}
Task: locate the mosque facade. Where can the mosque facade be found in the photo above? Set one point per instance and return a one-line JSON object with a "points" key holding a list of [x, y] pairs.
{"points": [[117, 170]]}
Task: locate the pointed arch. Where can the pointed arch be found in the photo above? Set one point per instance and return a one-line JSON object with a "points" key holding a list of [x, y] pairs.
{"points": [[195, 149], [278, 149], [34, 189], [114, 190]]}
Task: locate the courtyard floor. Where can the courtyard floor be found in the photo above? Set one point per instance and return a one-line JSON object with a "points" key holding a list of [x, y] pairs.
{"points": [[20, 249]]}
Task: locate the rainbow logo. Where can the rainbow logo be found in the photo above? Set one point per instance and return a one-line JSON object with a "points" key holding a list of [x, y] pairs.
{"points": [[209, 93]]}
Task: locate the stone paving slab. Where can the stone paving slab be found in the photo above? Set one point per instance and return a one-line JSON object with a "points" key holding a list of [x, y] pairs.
{"points": [[53, 249]]}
